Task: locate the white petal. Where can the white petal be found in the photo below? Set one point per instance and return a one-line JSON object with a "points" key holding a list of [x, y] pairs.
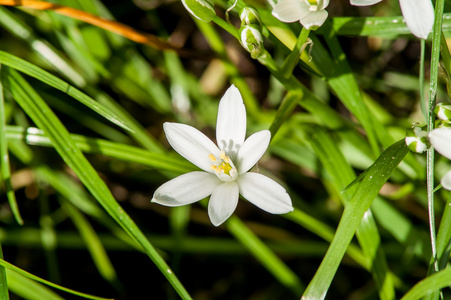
{"points": [[419, 16], [231, 123], [314, 19], [364, 2], [323, 4], [264, 193], [191, 144], [291, 10], [252, 150], [446, 181], [186, 189], [440, 139], [223, 202]]}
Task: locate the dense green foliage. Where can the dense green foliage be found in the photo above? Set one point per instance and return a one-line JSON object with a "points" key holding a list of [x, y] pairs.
{"points": [[82, 150]]}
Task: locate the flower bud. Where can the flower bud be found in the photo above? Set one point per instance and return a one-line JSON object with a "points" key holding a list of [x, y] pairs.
{"points": [[250, 15], [252, 40], [441, 124], [200, 9], [417, 139], [443, 111]]}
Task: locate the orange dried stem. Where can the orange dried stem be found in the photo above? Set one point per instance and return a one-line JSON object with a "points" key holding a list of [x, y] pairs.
{"points": [[113, 26]]}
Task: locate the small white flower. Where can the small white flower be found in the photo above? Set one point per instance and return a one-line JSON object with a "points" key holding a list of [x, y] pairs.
{"points": [[419, 14], [225, 167], [440, 139], [310, 15]]}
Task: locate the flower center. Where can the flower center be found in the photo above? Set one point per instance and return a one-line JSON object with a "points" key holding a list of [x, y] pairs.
{"points": [[223, 167], [313, 5]]}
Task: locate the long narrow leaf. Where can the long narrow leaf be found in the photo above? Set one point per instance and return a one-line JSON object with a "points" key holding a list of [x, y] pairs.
{"points": [[374, 179], [38, 279], [44, 76], [41, 114], [368, 236], [4, 161]]}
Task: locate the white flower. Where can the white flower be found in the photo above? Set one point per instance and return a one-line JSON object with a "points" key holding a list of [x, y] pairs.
{"points": [[419, 14], [225, 169], [310, 15], [440, 139]]}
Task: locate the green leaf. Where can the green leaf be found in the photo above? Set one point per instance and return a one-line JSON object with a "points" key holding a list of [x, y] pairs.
{"points": [[29, 289], [120, 151], [38, 73], [428, 285], [41, 114], [341, 173], [4, 161], [92, 242], [266, 257], [38, 279], [352, 216]]}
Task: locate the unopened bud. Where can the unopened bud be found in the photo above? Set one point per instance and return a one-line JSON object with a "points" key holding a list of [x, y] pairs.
{"points": [[200, 9], [250, 15], [441, 124], [252, 40], [443, 111], [417, 140]]}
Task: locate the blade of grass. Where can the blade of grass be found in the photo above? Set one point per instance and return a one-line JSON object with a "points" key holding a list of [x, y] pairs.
{"points": [[129, 153], [4, 160], [29, 289], [266, 257], [215, 247], [341, 173], [41, 47], [375, 177], [38, 279], [430, 284], [4, 294], [41, 114], [92, 242], [44, 76]]}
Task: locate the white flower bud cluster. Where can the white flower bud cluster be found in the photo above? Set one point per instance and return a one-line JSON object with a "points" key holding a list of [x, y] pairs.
{"points": [[250, 32], [417, 139]]}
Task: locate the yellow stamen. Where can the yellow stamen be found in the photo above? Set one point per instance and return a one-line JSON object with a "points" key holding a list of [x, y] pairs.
{"points": [[221, 165], [224, 157]]}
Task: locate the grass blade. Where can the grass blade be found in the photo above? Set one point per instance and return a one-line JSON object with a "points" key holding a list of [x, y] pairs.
{"points": [[38, 279], [4, 160], [354, 212], [41, 114], [29, 289], [44, 76]]}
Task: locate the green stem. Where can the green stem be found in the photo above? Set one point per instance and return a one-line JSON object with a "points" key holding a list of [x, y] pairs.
{"points": [[421, 81], [292, 60], [435, 57]]}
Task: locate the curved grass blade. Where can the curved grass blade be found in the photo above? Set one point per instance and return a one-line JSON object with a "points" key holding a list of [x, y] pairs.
{"points": [[3, 280], [116, 27], [44, 76], [4, 161], [41, 114], [341, 173], [264, 255], [430, 284], [353, 214], [38, 279], [41, 47], [29, 289], [387, 27], [124, 152], [93, 244]]}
